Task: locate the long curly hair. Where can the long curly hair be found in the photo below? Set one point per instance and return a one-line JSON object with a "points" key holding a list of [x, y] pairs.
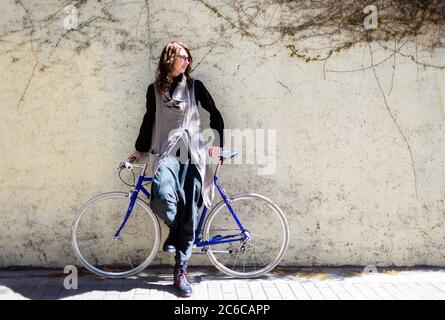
{"points": [[164, 77]]}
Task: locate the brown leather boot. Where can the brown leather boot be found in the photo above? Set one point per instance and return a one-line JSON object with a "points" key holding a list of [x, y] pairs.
{"points": [[183, 287]]}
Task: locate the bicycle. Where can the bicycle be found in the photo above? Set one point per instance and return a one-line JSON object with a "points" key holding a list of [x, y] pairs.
{"points": [[116, 234]]}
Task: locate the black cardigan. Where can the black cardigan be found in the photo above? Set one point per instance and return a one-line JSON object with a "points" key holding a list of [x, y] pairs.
{"points": [[143, 142]]}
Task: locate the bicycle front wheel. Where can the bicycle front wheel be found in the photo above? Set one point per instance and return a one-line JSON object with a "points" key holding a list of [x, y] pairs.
{"points": [[95, 225], [266, 227]]}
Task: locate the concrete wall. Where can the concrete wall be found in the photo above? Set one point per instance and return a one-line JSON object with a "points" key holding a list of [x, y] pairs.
{"points": [[360, 180]]}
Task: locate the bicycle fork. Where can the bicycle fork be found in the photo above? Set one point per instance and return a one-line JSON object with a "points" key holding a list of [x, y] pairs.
{"points": [[133, 197]]}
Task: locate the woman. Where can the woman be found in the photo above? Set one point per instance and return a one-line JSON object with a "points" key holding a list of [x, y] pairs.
{"points": [[182, 176]]}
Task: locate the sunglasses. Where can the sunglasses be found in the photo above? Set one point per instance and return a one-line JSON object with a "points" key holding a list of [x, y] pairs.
{"points": [[184, 58]]}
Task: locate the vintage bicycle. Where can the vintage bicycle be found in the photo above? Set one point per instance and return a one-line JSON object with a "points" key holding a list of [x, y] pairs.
{"points": [[117, 235]]}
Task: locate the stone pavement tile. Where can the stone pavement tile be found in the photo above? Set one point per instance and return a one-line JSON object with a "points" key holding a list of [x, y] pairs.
{"points": [[423, 290], [228, 286], [15, 296], [7, 283], [339, 291], [325, 290], [141, 294], [38, 291], [270, 290], [407, 291], [228, 290], [98, 291], [440, 286], [241, 283], [111, 295], [13, 285], [298, 290], [26, 289], [200, 291], [392, 289], [284, 290], [77, 294], [353, 291], [430, 288], [388, 285], [367, 291], [422, 275], [242, 290], [36, 287], [170, 295], [230, 296], [418, 290], [53, 292], [9, 293], [156, 293], [73, 297], [215, 291], [257, 290], [127, 293], [312, 291], [380, 291]]}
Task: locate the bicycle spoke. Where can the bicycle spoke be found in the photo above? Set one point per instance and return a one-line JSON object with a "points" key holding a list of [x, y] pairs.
{"points": [[108, 261], [228, 256], [103, 215], [250, 243], [265, 223], [115, 251], [244, 262], [253, 260], [132, 267], [260, 258], [236, 258], [222, 228]]}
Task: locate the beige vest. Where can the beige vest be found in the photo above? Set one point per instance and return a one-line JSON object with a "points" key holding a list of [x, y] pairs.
{"points": [[177, 117]]}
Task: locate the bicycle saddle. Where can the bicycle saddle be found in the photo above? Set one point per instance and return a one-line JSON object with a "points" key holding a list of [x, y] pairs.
{"points": [[227, 154]]}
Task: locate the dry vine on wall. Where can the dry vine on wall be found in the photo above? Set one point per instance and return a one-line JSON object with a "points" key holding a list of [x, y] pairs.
{"points": [[338, 24]]}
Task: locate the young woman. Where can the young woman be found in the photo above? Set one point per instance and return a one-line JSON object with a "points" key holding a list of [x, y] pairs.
{"points": [[182, 175]]}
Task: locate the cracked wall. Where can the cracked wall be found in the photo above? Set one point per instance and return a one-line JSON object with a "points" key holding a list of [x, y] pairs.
{"points": [[360, 149]]}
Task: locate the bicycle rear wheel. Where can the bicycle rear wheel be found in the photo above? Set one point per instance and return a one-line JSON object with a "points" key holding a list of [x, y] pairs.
{"points": [[95, 225], [268, 232]]}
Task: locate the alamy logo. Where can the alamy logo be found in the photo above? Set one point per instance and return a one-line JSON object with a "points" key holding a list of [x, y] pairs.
{"points": [[70, 281], [71, 21], [257, 147], [371, 20]]}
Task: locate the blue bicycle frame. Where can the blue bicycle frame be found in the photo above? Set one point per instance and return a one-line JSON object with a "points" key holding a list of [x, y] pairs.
{"points": [[214, 240]]}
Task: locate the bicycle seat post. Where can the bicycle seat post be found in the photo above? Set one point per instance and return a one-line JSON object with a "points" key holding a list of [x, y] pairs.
{"points": [[216, 170]]}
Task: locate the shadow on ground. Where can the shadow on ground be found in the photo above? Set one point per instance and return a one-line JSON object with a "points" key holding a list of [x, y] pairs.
{"points": [[49, 283]]}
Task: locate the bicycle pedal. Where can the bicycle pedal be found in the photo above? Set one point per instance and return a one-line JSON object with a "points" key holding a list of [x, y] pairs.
{"points": [[201, 250]]}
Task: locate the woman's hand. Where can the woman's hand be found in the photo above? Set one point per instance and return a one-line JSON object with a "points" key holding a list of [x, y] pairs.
{"points": [[215, 152], [136, 154]]}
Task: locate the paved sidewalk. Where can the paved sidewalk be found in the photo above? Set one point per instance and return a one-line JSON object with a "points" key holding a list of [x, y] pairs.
{"points": [[208, 284]]}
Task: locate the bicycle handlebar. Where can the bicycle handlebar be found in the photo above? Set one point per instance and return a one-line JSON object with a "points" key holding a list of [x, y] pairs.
{"points": [[130, 164]]}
